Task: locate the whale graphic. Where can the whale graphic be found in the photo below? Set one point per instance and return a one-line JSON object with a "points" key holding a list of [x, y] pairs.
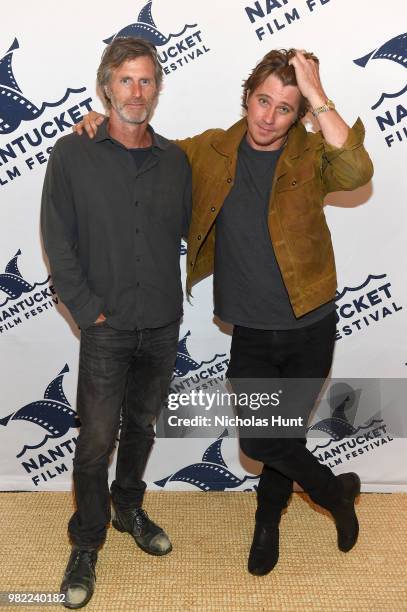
{"points": [[11, 282], [53, 413], [210, 474], [146, 28], [184, 363], [394, 50], [340, 294], [342, 397], [14, 107], [338, 426]]}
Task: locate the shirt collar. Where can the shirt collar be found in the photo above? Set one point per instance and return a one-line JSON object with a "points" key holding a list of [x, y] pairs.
{"points": [[158, 141]]}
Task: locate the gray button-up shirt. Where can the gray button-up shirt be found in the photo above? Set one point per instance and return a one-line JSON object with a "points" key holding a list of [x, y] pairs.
{"points": [[112, 231]]}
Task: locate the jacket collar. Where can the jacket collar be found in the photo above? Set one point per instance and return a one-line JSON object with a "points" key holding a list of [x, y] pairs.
{"points": [[227, 143]]}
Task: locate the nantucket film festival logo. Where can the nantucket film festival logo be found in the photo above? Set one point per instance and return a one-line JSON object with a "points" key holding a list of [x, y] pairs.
{"points": [[51, 421], [346, 439], [175, 51], [27, 130], [269, 17], [211, 473], [390, 108], [365, 306], [20, 300], [190, 377], [200, 376]]}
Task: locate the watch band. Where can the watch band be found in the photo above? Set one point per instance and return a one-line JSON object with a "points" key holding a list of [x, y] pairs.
{"points": [[329, 105]]}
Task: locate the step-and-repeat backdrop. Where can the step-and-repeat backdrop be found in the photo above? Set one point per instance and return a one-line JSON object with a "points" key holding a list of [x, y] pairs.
{"points": [[49, 56]]}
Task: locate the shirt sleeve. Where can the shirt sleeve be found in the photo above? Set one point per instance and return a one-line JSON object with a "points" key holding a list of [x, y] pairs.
{"points": [[59, 231]]}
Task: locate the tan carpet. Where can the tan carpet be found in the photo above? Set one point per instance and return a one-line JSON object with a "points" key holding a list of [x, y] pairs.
{"points": [[211, 534]]}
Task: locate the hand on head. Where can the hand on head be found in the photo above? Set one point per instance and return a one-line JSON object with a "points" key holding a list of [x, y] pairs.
{"points": [[306, 67]]}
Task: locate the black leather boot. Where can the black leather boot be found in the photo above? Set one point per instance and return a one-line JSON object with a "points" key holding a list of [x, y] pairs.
{"points": [[264, 550], [148, 536], [79, 579], [344, 513]]}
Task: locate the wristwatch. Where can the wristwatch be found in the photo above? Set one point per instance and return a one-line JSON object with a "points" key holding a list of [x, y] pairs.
{"points": [[329, 105]]}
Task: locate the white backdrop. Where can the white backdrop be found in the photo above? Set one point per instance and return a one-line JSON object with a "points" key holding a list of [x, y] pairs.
{"points": [[208, 49]]}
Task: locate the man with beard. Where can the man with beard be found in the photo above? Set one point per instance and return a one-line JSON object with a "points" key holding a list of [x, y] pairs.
{"points": [[261, 185], [114, 210]]}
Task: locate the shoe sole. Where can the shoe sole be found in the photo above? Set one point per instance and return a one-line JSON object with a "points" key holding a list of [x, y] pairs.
{"points": [[119, 527]]}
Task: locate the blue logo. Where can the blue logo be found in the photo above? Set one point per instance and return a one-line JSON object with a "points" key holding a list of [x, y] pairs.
{"points": [[36, 298], [394, 114], [14, 106], [211, 473], [17, 109], [185, 364], [365, 305], [174, 54], [274, 15], [52, 413], [197, 376], [394, 50], [347, 441]]}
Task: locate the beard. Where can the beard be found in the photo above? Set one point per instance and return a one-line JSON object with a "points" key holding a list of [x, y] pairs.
{"points": [[135, 115]]}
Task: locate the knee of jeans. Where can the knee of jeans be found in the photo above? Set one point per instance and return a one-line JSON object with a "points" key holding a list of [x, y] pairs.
{"points": [[140, 426], [94, 447]]}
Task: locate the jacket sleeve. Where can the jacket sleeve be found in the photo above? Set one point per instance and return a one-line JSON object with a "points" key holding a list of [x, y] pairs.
{"points": [[347, 167], [59, 231]]}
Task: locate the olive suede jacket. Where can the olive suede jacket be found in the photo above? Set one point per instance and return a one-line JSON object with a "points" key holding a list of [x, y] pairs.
{"points": [[307, 170]]}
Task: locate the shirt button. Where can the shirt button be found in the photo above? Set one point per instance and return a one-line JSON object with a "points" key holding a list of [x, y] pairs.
{"points": [[137, 230], [213, 209], [135, 203], [199, 236], [294, 182], [138, 284], [229, 180], [138, 259]]}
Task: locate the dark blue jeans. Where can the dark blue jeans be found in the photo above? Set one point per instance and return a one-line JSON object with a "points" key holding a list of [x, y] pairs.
{"points": [[125, 372], [304, 353]]}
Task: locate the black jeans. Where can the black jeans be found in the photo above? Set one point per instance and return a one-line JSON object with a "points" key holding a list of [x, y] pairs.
{"points": [[302, 353], [119, 371]]}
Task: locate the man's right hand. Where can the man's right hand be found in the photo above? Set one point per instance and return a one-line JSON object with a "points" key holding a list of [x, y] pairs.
{"points": [[89, 123]]}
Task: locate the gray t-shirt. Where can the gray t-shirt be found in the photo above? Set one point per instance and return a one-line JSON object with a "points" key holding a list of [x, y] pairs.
{"points": [[248, 286]]}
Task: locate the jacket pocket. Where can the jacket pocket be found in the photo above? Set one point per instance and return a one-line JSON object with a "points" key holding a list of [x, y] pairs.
{"points": [[296, 179]]}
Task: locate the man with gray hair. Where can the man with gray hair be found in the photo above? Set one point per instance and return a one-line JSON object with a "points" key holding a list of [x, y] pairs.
{"points": [[114, 210]]}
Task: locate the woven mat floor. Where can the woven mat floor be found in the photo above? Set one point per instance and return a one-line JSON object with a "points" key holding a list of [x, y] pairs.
{"points": [[206, 571]]}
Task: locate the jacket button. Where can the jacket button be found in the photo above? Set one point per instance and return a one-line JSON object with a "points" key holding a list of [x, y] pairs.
{"points": [[199, 236], [213, 209], [229, 180], [192, 264], [294, 183]]}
